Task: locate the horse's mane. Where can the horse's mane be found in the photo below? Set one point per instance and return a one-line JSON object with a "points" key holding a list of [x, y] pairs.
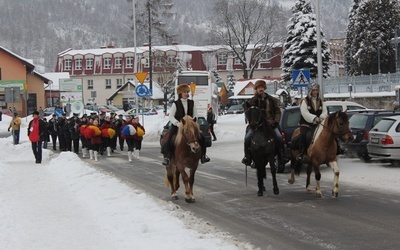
{"points": [[187, 124], [340, 114]]}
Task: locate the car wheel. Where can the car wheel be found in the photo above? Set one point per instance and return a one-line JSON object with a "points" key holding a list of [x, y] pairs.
{"points": [[280, 167], [364, 156], [395, 163]]}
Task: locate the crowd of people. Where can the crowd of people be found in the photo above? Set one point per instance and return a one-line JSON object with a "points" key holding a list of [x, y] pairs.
{"points": [[94, 134]]}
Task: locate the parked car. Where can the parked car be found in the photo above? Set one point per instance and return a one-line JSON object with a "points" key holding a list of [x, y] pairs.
{"points": [[360, 125], [384, 139], [49, 111], [334, 106], [98, 109], [113, 108], [235, 109], [142, 111], [204, 127]]}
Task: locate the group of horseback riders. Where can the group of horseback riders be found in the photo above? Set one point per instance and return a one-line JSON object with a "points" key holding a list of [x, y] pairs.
{"points": [[312, 108]]}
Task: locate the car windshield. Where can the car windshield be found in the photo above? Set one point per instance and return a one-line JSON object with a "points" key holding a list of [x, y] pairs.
{"points": [[236, 107], [358, 121], [384, 125]]}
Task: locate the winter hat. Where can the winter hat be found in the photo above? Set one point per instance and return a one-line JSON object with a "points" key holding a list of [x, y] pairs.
{"points": [[260, 83], [35, 112], [311, 87], [182, 89]]}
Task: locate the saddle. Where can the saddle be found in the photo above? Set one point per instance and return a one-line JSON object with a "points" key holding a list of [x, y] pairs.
{"points": [[295, 143]]}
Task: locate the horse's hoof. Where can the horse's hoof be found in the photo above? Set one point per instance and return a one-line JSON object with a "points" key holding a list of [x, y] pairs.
{"points": [[276, 191], [174, 197], [319, 195], [260, 193], [290, 181], [334, 194], [190, 200], [263, 189]]}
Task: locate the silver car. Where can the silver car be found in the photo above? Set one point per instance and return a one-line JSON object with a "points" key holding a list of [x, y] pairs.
{"points": [[384, 139]]}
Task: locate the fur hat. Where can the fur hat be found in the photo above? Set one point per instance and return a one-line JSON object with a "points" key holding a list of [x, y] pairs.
{"points": [[182, 88], [260, 83], [35, 112]]}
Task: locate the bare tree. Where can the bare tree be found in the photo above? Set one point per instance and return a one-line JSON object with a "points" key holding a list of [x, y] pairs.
{"points": [[244, 23]]}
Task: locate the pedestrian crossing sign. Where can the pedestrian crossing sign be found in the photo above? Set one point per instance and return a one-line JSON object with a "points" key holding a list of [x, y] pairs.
{"points": [[301, 78]]}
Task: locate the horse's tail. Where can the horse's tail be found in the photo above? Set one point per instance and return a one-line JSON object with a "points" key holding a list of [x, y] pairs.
{"points": [[298, 167]]}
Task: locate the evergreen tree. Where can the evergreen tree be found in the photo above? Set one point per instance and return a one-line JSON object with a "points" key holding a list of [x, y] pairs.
{"points": [[372, 50], [351, 38], [300, 47]]}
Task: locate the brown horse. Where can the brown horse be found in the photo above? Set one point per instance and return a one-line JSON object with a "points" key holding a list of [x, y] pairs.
{"points": [[186, 155], [322, 150]]}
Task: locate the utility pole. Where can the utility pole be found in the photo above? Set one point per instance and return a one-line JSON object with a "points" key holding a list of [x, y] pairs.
{"points": [[148, 5]]}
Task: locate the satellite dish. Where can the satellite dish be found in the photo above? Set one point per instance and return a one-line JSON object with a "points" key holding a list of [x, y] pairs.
{"points": [[77, 107]]}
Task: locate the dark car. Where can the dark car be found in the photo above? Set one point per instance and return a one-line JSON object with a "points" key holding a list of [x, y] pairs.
{"points": [[360, 125], [205, 130], [235, 109]]}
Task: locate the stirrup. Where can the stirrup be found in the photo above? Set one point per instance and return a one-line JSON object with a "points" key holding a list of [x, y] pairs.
{"points": [[299, 157], [166, 162], [341, 151]]}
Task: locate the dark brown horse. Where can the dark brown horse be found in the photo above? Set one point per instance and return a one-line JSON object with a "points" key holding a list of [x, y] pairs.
{"points": [[322, 150], [262, 149], [186, 155]]}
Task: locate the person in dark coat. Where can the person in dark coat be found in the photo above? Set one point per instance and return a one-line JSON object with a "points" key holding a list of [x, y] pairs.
{"points": [[74, 125], [67, 135], [53, 129], [46, 133], [36, 134], [60, 129], [118, 125], [211, 122]]}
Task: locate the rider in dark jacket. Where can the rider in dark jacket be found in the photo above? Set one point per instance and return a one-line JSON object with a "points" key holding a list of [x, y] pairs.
{"points": [[271, 114]]}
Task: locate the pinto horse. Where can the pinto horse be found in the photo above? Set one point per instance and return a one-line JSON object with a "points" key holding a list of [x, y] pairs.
{"points": [[262, 149], [186, 155], [322, 150]]}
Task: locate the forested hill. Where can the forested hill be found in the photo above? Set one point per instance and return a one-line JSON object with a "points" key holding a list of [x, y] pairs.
{"points": [[40, 29]]}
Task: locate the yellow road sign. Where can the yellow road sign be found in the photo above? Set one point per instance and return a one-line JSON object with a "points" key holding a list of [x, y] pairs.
{"points": [[141, 76]]}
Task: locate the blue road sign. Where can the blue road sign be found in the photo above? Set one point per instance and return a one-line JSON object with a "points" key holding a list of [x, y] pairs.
{"points": [[301, 78], [142, 90]]}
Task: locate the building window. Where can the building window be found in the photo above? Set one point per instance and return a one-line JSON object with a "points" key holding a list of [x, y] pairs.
{"points": [[171, 59], [118, 62], [129, 62], [158, 61], [222, 58], [119, 83], [89, 84], [89, 63], [78, 64], [237, 61], [108, 83], [107, 63], [67, 64], [266, 57]]}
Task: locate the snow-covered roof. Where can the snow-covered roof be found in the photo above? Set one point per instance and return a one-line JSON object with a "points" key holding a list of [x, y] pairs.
{"points": [[143, 49], [55, 77]]}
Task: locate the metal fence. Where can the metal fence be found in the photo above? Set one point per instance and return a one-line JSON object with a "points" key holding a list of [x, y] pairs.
{"points": [[362, 83]]}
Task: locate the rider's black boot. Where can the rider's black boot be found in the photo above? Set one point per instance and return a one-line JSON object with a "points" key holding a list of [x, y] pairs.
{"points": [[247, 154], [301, 152]]}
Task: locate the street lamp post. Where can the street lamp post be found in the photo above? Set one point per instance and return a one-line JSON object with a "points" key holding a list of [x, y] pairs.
{"points": [[148, 5]]}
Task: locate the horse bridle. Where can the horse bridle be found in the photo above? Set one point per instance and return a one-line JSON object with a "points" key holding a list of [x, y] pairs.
{"points": [[341, 131], [186, 140]]}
